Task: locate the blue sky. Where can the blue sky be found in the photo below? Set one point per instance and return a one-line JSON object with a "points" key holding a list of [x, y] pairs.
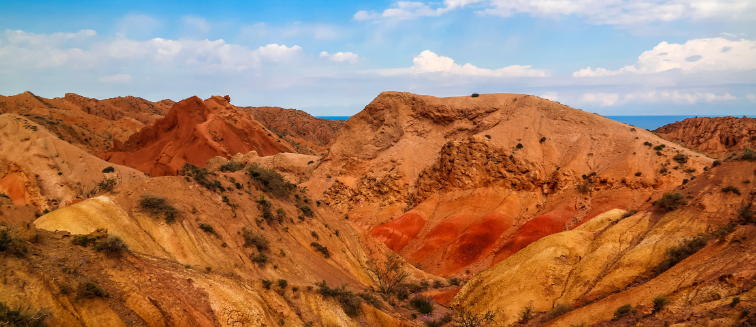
{"points": [[614, 57]]}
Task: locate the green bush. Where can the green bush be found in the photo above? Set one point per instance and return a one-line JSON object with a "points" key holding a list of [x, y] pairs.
{"points": [[659, 303], [258, 240], [732, 189], [623, 311], [260, 258], [107, 184], [200, 176], [454, 281], [716, 163], [282, 283], [475, 95], [207, 228], [681, 158], [266, 209], [734, 302], [108, 169], [321, 248], [10, 244], [306, 211], [231, 166], [266, 283], [270, 181], [637, 173], [748, 154], [90, 289], [21, 318], [83, 240], [676, 254], [670, 202], [747, 214], [157, 205], [349, 301], [112, 245], [660, 147], [371, 299], [422, 304], [467, 319], [526, 314], [559, 310]]}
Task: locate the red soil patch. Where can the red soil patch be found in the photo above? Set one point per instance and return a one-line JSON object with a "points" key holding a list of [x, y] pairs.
{"points": [[398, 232], [444, 297], [440, 236], [476, 241], [535, 229], [13, 187]]}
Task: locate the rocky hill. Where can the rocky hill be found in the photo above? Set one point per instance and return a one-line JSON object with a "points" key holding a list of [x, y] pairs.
{"points": [[717, 136], [90, 124], [192, 132], [456, 185], [308, 134]]}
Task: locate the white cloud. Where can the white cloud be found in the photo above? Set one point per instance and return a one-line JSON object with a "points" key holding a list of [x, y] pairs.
{"points": [[118, 78], [600, 12], [653, 96], [429, 62], [550, 96], [341, 56], [600, 99], [325, 32], [711, 54], [751, 97], [27, 49], [27, 39]]}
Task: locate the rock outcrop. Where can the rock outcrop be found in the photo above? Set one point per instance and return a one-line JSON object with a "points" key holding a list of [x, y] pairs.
{"points": [[90, 124], [192, 132], [717, 136], [457, 184], [41, 170], [308, 134]]}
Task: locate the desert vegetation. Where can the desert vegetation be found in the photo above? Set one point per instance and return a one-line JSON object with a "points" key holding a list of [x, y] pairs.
{"points": [[158, 206]]}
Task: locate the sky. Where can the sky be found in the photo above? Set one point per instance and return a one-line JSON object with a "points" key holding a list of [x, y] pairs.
{"points": [[331, 58]]}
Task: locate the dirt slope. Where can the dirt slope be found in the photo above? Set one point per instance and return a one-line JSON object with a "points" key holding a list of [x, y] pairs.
{"points": [[717, 136], [308, 134], [194, 131], [41, 170], [610, 261], [90, 124], [458, 184]]}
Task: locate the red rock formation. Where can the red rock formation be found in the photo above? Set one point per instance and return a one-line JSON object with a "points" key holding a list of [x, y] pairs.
{"points": [[717, 136], [194, 131], [298, 126]]}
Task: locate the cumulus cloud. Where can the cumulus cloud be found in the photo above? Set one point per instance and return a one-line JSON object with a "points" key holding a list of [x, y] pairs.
{"points": [[550, 96], [341, 56], [403, 10], [429, 62], [653, 96], [28, 49], [118, 78], [600, 12], [711, 54], [600, 99]]}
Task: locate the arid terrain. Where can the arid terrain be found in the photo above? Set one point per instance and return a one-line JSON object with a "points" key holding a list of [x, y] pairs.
{"points": [[493, 210]]}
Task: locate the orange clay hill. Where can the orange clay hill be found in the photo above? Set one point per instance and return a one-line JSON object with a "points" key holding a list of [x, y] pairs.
{"points": [[90, 124], [309, 135], [192, 132], [456, 185], [717, 137]]}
